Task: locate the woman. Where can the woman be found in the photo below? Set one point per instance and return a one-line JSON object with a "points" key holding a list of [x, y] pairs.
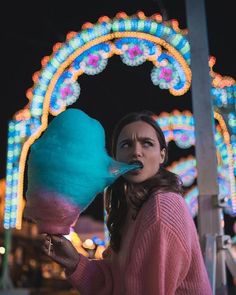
{"points": [[154, 246]]}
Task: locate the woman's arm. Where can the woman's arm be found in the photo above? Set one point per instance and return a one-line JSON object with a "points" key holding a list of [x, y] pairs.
{"points": [[88, 276]]}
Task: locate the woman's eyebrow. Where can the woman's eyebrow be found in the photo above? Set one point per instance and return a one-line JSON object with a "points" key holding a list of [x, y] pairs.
{"points": [[146, 138], [125, 140], [140, 138]]}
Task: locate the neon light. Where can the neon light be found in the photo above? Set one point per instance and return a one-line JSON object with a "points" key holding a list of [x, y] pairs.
{"points": [[136, 39]]}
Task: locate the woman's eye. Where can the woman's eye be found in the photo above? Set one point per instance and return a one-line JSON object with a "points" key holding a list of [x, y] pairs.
{"points": [[124, 145], [147, 143]]}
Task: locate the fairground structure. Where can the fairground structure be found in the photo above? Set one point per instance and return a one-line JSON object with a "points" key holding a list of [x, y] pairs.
{"points": [[136, 39]]}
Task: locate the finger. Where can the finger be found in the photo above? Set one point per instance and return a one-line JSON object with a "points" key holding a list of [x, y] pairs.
{"points": [[45, 251], [49, 246], [57, 239], [46, 243], [48, 237]]}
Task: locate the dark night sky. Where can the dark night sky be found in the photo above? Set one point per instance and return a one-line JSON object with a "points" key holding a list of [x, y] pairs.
{"points": [[31, 30]]}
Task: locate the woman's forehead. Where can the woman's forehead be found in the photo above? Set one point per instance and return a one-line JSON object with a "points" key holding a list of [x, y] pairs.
{"points": [[137, 129]]}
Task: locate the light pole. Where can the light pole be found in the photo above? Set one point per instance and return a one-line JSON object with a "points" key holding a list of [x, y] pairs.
{"points": [[215, 245]]}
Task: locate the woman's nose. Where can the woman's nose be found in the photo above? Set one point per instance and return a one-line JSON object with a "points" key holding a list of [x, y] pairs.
{"points": [[137, 150]]}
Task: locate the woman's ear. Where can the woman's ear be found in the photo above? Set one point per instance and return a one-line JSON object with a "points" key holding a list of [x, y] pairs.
{"points": [[163, 156]]}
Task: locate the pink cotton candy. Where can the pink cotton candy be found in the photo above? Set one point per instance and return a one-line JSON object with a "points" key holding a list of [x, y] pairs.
{"points": [[52, 213]]}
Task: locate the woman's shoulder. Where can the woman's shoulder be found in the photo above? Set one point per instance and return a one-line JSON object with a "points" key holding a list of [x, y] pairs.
{"points": [[163, 210], [169, 203], [168, 213], [169, 199], [168, 207], [173, 211], [160, 205]]}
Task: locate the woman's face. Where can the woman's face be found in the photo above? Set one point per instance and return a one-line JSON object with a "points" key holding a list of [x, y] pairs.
{"points": [[138, 142]]}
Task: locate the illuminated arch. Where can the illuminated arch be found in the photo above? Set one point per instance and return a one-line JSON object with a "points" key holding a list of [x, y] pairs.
{"points": [[136, 39], [179, 127]]}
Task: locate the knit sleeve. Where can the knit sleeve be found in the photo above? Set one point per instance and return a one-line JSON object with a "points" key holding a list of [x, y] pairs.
{"points": [[92, 277]]}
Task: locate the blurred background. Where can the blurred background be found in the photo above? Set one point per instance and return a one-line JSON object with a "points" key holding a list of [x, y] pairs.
{"points": [[29, 32]]}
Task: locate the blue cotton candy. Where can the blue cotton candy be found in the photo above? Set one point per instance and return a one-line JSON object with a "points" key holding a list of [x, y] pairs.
{"points": [[70, 159]]}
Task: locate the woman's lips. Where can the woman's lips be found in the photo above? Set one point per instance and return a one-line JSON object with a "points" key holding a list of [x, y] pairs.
{"points": [[135, 172], [139, 163]]}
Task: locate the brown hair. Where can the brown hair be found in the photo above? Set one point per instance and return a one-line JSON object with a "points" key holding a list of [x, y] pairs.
{"points": [[116, 194]]}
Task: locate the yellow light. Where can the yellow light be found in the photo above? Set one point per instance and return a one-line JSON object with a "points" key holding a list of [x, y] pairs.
{"points": [[99, 252], [70, 35], [104, 19], [141, 15], [226, 136], [218, 80], [121, 15], [157, 17], [56, 46], [2, 250], [45, 60], [89, 244]]}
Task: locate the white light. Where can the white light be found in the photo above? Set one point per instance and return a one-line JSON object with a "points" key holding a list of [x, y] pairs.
{"points": [[2, 250]]}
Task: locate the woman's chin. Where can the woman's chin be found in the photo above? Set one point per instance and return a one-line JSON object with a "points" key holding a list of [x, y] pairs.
{"points": [[134, 178]]}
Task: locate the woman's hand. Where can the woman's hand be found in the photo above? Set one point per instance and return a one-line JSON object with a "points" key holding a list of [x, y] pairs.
{"points": [[61, 250]]}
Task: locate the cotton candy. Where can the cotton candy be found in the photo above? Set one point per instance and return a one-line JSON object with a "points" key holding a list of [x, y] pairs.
{"points": [[66, 168]]}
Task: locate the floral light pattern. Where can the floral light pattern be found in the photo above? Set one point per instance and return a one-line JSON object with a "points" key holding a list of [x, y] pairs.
{"points": [[94, 63], [165, 76], [134, 54], [66, 93]]}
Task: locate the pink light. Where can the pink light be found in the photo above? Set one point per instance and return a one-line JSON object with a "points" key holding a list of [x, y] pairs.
{"points": [[166, 74], [65, 91], [93, 60], [134, 51]]}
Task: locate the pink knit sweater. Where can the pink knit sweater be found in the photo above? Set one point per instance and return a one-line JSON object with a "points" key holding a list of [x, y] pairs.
{"points": [[160, 255]]}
